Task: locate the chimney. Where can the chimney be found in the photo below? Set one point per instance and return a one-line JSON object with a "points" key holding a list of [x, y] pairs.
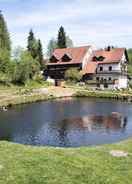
{"points": [[108, 48]]}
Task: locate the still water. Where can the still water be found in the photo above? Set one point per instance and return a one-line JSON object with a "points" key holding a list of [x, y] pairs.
{"points": [[67, 123]]}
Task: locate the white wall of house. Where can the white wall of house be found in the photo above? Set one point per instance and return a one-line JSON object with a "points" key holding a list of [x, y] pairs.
{"points": [[115, 67], [123, 82], [87, 56], [123, 58]]}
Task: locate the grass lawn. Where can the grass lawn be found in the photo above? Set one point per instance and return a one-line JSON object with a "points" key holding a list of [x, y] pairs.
{"points": [[21, 164], [14, 94]]}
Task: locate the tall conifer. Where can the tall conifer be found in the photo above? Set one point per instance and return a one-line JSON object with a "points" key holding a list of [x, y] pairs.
{"points": [[5, 43], [32, 44], [61, 41], [40, 54]]}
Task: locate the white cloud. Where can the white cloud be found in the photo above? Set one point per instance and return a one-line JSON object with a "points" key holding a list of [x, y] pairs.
{"points": [[100, 22], [75, 9]]}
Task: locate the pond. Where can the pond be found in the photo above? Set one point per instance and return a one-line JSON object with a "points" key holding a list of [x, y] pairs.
{"points": [[67, 123]]}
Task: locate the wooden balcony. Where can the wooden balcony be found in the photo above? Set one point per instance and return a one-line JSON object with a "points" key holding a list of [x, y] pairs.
{"points": [[96, 82]]}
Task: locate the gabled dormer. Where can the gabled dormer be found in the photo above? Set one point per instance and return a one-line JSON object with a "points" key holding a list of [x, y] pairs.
{"points": [[54, 59], [66, 57], [98, 58]]}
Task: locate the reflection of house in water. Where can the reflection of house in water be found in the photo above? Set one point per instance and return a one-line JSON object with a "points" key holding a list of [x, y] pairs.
{"points": [[114, 121]]}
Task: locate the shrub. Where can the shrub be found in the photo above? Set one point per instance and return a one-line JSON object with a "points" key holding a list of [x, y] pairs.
{"points": [[73, 75]]}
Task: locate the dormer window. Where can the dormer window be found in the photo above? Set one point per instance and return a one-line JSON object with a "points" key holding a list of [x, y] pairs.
{"points": [[54, 59], [66, 58], [98, 58], [101, 58]]}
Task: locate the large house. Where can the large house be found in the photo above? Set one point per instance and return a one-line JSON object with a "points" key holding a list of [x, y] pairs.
{"points": [[105, 68]]}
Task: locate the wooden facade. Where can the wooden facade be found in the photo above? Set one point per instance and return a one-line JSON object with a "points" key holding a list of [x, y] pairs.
{"points": [[58, 71]]}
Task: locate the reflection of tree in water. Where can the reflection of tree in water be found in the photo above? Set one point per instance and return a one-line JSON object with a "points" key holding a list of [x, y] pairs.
{"points": [[5, 133], [62, 133], [6, 137], [125, 121]]}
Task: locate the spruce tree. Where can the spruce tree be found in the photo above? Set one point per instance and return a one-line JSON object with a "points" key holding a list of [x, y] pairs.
{"points": [[32, 45], [5, 43], [61, 41], [40, 54]]}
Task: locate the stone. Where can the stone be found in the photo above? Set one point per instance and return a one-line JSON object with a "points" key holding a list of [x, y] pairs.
{"points": [[118, 153]]}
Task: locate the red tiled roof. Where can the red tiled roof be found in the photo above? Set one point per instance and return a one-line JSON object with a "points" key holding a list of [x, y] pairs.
{"points": [[89, 68], [77, 54], [112, 56]]}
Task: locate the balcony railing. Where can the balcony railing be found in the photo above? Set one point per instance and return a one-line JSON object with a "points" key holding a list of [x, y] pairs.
{"points": [[95, 82]]}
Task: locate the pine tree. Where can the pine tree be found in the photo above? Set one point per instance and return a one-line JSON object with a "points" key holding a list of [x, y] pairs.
{"points": [[32, 45], [5, 43], [61, 41], [40, 54]]}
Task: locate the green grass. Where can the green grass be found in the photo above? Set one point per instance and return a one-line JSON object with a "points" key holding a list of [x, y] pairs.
{"points": [[29, 84], [14, 94], [34, 84], [31, 165], [121, 95]]}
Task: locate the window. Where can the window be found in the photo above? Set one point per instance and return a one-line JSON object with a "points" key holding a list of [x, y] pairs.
{"points": [[110, 68], [97, 78], [101, 68], [109, 78]]}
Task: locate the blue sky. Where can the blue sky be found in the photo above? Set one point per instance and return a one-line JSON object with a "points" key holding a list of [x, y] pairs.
{"points": [[97, 22]]}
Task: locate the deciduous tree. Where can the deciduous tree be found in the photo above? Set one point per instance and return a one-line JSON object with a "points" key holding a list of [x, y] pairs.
{"points": [[52, 45]]}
